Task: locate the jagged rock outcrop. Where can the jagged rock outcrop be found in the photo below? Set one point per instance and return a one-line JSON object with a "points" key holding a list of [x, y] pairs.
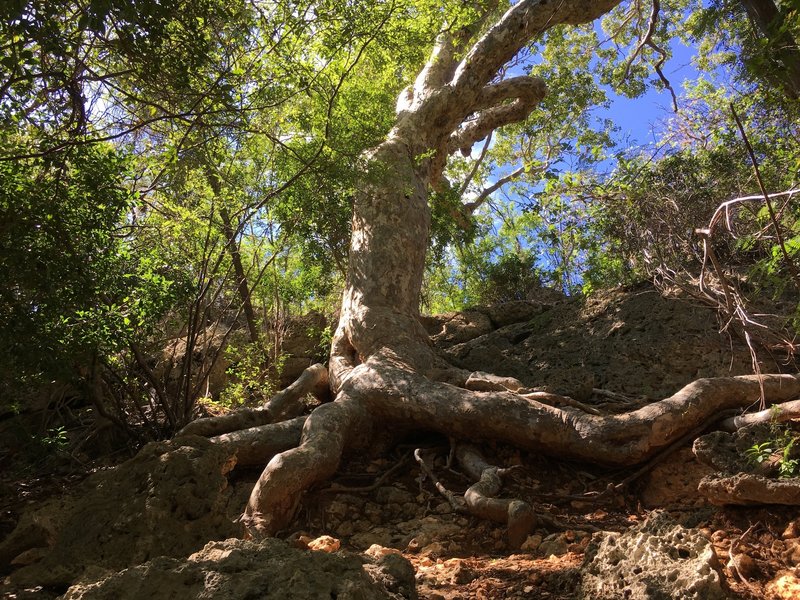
{"points": [[170, 499], [740, 480], [633, 342], [657, 560], [269, 570]]}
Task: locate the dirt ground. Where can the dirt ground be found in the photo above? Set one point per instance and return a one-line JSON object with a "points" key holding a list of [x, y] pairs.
{"points": [[458, 557]]}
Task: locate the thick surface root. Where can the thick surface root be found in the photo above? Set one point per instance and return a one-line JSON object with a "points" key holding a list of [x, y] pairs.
{"points": [[404, 397], [285, 404], [327, 431], [387, 392], [257, 445], [518, 515]]}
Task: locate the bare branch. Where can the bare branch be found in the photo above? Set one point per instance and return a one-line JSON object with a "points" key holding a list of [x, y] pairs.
{"points": [[647, 40], [468, 179], [471, 207], [778, 235]]}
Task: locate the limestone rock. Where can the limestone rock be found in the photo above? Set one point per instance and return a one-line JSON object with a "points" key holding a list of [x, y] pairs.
{"points": [[747, 489], [518, 311], [656, 560], [786, 586], [301, 345], [325, 543], [170, 499], [633, 341], [459, 327], [736, 483], [270, 570]]}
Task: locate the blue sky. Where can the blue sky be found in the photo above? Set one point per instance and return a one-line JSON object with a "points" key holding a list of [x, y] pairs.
{"points": [[637, 117]]}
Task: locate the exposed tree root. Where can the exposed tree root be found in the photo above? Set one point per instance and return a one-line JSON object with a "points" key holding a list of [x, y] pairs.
{"points": [[285, 404], [518, 515], [385, 392], [777, 413], [403, 397], [327, 432], [257, 445]]}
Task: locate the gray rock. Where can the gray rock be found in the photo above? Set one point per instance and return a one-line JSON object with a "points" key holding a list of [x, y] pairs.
{"points": [[746, 489], [270, 570], [657, 560], [461, 327], [169, 500], [739, 480], [515, 312]]}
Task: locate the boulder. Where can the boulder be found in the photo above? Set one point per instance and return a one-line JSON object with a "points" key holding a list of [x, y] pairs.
{"points": [[236, 569], [657, 560], [739, 480], [171, 499]]}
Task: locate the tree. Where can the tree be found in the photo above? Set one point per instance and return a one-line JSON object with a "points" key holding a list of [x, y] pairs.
{"points": [[383, 371]]}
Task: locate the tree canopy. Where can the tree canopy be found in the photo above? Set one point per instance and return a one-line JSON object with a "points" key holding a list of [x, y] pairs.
{"points": [[188, 168]]}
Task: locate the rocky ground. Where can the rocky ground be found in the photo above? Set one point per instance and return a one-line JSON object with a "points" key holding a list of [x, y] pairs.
{"points": [[614, 352]]}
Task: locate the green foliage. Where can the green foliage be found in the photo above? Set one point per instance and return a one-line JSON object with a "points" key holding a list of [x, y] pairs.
{"points": [[149, 145], [760, 452], [63, 259], [55, 441], [779, 448], [252, 374]]}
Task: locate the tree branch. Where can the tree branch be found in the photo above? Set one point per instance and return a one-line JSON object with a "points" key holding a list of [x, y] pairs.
{"points": [[471, 207], [521, 23], [527, 91]]}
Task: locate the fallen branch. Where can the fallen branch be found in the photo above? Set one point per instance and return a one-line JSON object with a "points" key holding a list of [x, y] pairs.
{"points": [[456, 503]]}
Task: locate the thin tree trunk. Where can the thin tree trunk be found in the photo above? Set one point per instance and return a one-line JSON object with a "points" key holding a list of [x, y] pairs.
{"points": [[232, 246]]}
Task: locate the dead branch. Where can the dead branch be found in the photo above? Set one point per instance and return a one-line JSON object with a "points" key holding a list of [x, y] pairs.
{"points": [[338, 488], [778, 234], [456, 503]]}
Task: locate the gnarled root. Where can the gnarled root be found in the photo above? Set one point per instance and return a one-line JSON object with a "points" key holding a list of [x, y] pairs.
{"points": [[517, 514], [327, 432], [283, 405], [257, 445], [397, 395]]}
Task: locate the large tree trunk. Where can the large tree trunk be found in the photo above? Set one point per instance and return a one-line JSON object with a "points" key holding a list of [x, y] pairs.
{"points": [[769, 22], [383, 369]]}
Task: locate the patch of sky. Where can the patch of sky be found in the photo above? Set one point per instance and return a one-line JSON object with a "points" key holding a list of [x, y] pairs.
{"points": [[637, 127]]}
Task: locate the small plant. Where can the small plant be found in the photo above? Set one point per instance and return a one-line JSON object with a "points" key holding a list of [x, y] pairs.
{"points": [[250, 382], [777, 451], [56, 440], [788, 467], [758, 453]]}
